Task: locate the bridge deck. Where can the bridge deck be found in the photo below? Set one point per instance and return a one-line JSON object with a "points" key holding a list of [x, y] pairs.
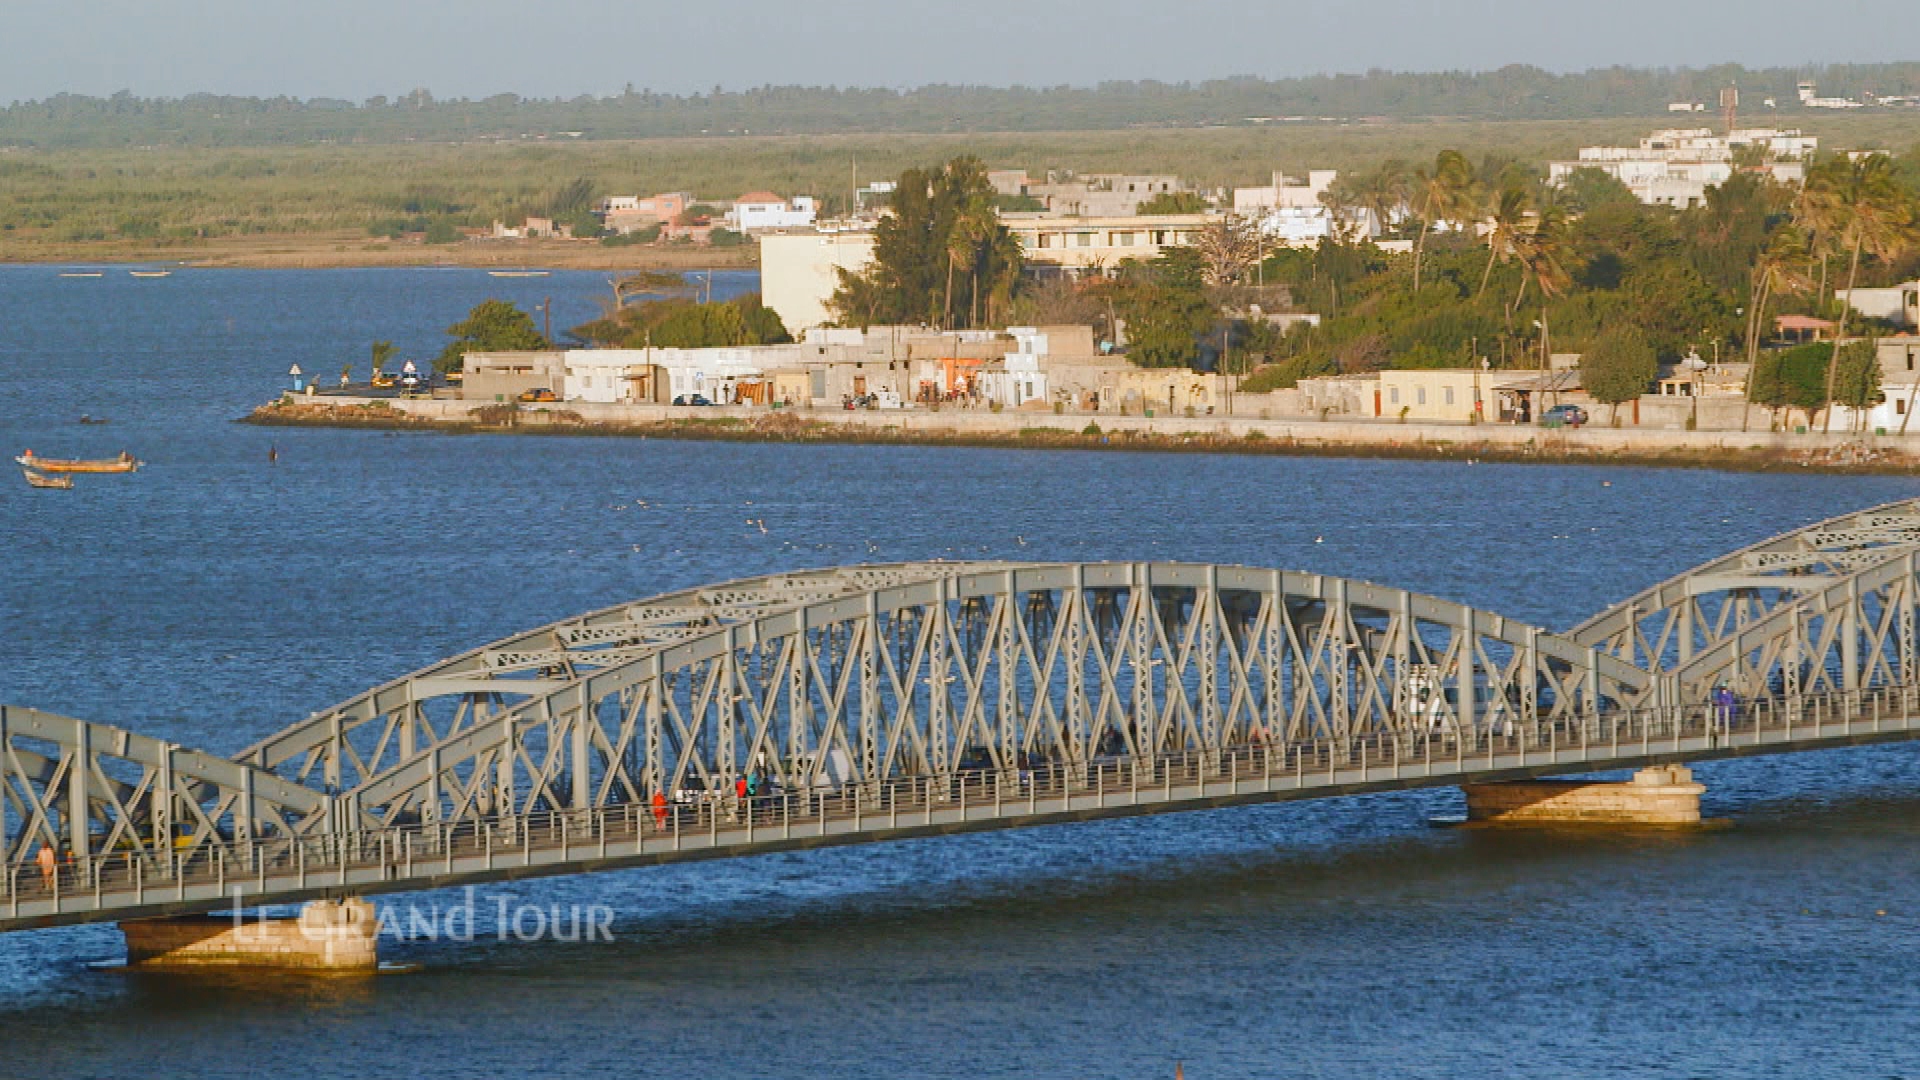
{"points": [[114, 887]]}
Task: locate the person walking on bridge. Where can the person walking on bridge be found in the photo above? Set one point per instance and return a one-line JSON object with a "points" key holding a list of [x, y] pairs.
{"points": [[660, 810], [45, 859]]}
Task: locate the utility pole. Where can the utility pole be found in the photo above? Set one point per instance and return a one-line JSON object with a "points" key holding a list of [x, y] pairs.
{"points": [[546, 310]]}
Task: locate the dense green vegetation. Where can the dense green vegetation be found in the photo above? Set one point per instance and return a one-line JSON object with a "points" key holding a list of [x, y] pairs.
{"points": [[492, 326], [163, 199], [1515, 92], [1586, 268], [941, 258], [680, 322]]}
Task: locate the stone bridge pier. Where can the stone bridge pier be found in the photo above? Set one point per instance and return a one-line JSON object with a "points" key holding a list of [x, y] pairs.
{"points": [[335, 937], [1664, 795]]}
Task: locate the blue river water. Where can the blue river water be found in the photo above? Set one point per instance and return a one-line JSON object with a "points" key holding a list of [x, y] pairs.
{"points": [[216, 596]]}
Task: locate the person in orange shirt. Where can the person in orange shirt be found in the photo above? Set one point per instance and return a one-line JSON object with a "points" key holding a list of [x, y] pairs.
{"points": [[660, 810]]}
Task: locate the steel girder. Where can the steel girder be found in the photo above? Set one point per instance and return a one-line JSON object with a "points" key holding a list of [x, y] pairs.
{"points": [[852, 678], [71, 785], [338, 748], [970, 668], [1667, 626], [1854, 632]]}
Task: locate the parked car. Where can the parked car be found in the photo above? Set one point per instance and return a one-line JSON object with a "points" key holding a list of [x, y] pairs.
{"points": [[1564, 416], [692, 399], [538, 393]]}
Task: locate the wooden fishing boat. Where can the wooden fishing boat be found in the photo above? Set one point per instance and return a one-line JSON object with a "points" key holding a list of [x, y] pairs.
{"points": [[150, 273], [84, 273], [125, 463], [42, 480], [518, 273]]}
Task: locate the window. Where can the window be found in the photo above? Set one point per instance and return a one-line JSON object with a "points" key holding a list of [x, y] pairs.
{"points": [[1449, 393], [1420, 396], [1393, 395], [1899, 407]]}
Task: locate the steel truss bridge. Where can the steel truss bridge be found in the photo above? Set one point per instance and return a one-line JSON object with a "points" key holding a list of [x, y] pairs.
{"points": [[881, 702]]}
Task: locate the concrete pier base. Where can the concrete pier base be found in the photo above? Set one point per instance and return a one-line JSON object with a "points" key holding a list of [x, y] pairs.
{"points": [[334, 937], [1662, 795]]}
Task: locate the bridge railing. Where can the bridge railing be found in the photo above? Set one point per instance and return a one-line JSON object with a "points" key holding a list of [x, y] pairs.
{"points": [[425, 851]]}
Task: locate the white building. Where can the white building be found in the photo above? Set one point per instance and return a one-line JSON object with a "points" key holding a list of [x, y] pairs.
{"points": [[1676, 166], [760, 211], [798, 273], [1285, 193], [607, 375], [1309, 226], [725, 376], [1897, 304], [1022, 375]]}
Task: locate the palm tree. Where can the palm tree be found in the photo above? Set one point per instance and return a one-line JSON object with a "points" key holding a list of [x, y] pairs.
{"points": [[1445, 194], [1817, 211], [1780, 268], [1508, 219], [1384, 192], [1868, 213], [1543, 246]]}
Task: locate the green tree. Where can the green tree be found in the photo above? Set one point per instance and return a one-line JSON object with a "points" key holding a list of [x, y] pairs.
{"points": [[572, 198], [1165, 307], [942, 235], [1507, 222], [1588, 189], [492, 326], [679, 322], [1791, 378], [1619, 366], [1868, 212], [1443, 195], [383, 351], [1856, 378], [442, 231], [1173, 202], [1779, 269]]}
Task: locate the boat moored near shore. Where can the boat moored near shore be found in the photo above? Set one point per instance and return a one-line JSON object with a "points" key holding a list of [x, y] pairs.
{"points": [[42, 480], [125, 463]]}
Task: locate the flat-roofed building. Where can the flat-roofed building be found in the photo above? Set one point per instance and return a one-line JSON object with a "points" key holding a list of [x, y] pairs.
{"points": [[798, 273], [504, 376], [1084, 243]]}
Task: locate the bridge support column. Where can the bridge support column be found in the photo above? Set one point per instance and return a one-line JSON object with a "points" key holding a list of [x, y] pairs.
{"points": [[328, 937], [1662, 795]]}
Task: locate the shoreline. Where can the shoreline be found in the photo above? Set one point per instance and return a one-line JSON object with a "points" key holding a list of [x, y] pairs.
{"points": [[320, 252], [1047, 431]]}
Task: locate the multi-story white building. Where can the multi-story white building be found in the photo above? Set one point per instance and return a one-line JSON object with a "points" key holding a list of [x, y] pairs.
{"points": [[799, 272], [1676, 166]]}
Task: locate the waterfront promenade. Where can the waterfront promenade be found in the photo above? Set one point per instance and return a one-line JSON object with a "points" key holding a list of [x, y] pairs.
{"points": [[1248, 433]]}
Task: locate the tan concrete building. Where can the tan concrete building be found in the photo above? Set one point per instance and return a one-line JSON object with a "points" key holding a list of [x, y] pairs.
{"points": [[504, 376], [1455, 394], [1100, 194], [798, 273], [1087, 243]]}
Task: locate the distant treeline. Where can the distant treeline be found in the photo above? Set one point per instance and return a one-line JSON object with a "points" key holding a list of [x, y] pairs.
{"points": [[1511, 93]]}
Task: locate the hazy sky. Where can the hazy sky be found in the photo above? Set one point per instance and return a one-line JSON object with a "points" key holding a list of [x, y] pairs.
{"points": [[472, 48]]}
